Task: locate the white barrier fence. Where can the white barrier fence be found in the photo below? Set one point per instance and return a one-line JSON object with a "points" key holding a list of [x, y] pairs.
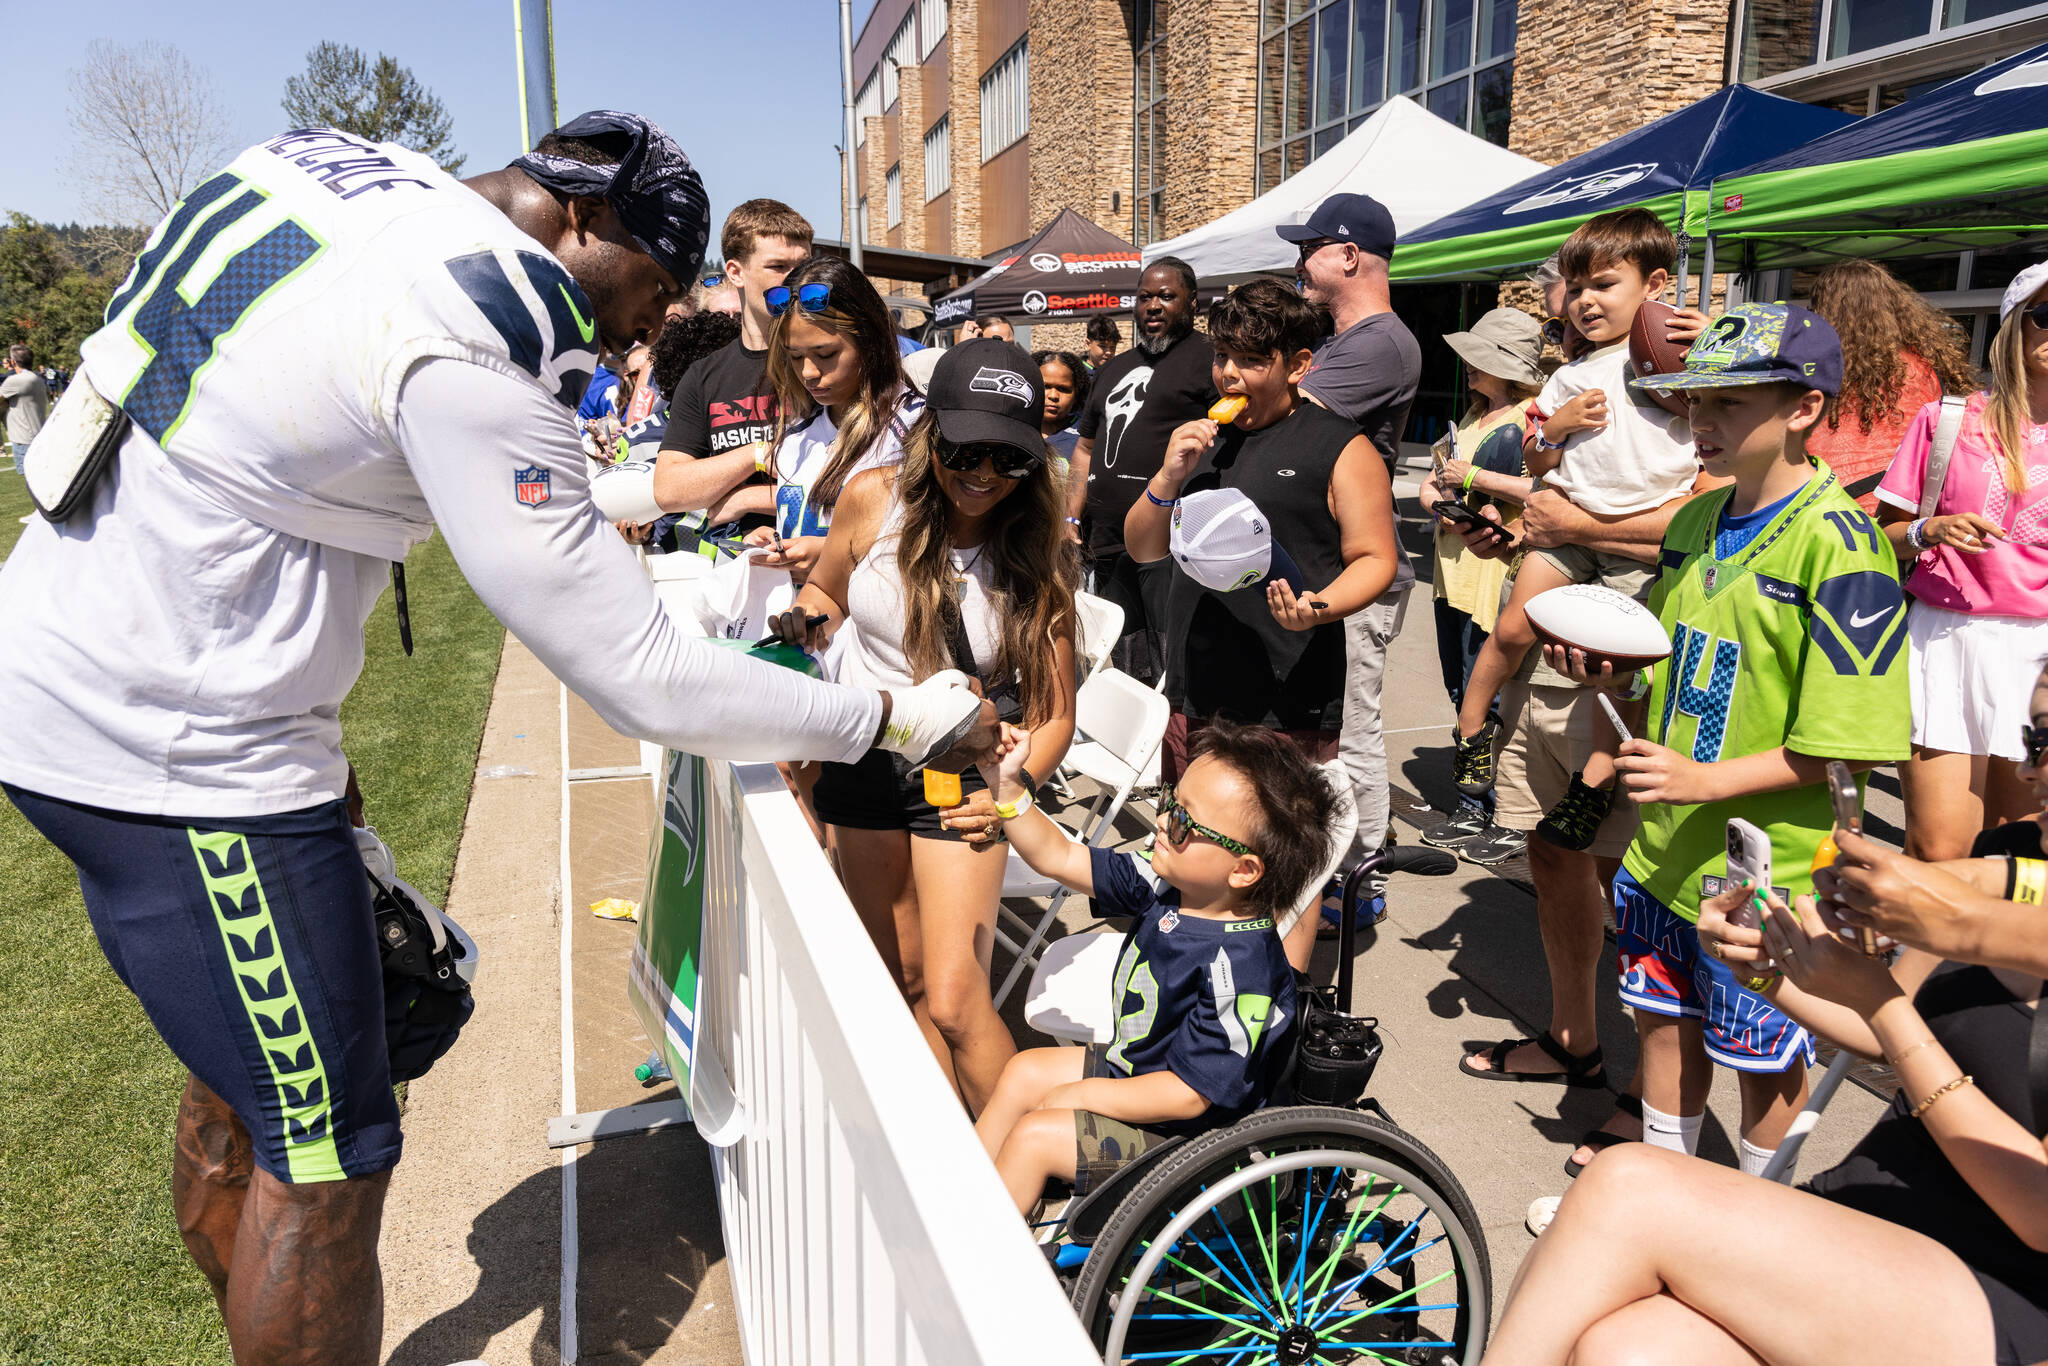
{"points": [[863, 1222]]}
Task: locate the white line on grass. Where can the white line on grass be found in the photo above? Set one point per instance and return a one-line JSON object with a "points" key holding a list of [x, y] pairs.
{"points": [[569, 1245]]}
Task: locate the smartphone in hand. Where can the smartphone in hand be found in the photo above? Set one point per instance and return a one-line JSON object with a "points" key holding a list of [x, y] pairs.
{"points": [[1848, 803], [1451, 510], [1749, 856]]}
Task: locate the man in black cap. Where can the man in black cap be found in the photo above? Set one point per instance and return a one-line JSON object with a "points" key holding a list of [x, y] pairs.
{"points": [[1367, 372], [330, 348]]}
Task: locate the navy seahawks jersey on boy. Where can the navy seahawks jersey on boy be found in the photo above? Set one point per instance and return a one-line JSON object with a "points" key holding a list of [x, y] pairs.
{"points": [[1211, 1001]]}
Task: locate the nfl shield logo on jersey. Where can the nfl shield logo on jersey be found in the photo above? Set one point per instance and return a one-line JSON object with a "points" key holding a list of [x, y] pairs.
{"points": [[531, 485]]}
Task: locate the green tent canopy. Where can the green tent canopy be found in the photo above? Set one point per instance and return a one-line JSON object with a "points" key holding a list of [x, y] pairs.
{"points": [[1963, 166], [1664, 166]]}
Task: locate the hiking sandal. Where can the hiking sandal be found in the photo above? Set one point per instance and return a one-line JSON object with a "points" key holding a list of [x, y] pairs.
{"points": [[1578, 1071]]}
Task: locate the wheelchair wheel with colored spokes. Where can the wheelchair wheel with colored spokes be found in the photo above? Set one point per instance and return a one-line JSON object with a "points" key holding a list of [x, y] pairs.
{"points": [[1301, 1235]]}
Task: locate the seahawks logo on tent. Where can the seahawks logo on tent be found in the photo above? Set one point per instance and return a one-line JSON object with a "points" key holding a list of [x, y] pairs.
{"points": [[1577, 189]]}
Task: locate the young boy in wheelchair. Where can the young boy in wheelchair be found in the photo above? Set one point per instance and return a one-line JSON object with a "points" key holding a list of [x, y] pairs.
{"points": [[1205, 998]]}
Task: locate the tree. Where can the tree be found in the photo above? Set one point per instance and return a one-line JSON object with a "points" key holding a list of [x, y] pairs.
{"points": [[49, 299], [383, 102], [149, 127]]}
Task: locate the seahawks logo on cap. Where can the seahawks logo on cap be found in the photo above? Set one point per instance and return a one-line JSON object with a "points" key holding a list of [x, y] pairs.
{"points": [[1010, 384]]}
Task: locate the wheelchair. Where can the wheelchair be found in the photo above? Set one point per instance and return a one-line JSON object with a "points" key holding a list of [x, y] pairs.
{"points": [[1312, 1231]]}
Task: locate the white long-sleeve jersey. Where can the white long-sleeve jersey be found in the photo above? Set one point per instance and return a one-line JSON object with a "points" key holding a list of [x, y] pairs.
{"points": [[325, 351]]}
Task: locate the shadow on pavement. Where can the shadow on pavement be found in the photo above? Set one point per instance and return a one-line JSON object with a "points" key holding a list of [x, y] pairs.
{"points": [[651, 1194]]}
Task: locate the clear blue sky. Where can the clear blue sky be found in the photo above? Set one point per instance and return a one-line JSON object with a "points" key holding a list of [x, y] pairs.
{"points": [[750, 89]]}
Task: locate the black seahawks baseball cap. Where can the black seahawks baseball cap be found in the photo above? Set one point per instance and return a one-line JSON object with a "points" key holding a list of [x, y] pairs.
{"points": [[988, 390]]}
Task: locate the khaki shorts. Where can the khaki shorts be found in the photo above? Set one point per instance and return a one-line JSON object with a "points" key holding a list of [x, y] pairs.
{"points": [[1619, 572], [1548, 734], [1105, 1146]]}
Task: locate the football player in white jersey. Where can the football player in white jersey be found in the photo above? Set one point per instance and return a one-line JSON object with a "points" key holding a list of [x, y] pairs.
{"points": [[325, 351]]}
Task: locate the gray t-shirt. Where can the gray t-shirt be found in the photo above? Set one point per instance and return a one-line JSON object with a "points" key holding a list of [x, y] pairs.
{"points": [[28, 403], [1369, 373]]}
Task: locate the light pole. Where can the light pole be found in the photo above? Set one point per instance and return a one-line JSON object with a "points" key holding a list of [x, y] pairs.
{"points": [[851, 208]]}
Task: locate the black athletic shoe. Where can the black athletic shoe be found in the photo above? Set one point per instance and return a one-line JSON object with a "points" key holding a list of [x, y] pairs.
{"points": [[1466, 824], [1575, 820], [1497, 845], [1472, 764]]}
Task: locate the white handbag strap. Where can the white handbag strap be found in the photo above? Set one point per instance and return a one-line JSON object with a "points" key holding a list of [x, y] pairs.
{"points": [[1947, 425]]}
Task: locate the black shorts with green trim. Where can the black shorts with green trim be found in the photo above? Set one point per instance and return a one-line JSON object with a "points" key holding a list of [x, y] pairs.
{"points": [[251, 945], [1105, 1146]]}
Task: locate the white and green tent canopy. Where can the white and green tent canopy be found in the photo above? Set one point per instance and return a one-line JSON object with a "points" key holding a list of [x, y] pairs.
{"points": [[1664, 166], [1963, 166]]}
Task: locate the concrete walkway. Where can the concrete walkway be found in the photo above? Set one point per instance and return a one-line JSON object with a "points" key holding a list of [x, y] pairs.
{"points": [[474, 1238]]}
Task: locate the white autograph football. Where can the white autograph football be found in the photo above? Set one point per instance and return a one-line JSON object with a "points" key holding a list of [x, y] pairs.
{"points": [[625, 493], [1610, 627]]}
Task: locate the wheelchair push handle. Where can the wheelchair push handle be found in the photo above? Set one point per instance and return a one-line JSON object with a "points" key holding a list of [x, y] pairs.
{"points": [[1419, 859]]}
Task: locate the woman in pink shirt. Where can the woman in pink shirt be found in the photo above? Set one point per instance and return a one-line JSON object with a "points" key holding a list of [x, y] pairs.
{"points": [[1979, 583]]}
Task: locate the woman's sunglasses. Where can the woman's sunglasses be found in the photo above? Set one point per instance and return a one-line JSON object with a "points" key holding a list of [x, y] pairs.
{"points": [[811, 298], [2034, 739], [2038, 316], [1180, 825], [1009, 462]]}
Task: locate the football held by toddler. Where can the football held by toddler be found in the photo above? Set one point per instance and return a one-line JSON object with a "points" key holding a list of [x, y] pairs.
{"points": [[1608, 448], [1204, 997]]}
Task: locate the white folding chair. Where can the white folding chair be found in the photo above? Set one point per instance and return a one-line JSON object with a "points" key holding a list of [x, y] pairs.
{"points": [[1126, 721], [1099, 625]]}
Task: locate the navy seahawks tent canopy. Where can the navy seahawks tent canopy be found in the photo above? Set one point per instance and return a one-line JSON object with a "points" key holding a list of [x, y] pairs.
{"points": [[1664, 166], [1964, 165]]}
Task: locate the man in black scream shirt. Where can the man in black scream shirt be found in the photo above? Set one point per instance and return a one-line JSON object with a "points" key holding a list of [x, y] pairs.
{"points": [[722, 416], [1137, 400]]}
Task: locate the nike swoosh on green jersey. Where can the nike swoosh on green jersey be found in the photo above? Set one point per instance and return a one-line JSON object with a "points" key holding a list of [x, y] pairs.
{"points": [[588, 329]]}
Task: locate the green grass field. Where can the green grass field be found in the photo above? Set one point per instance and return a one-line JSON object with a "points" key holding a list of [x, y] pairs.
{"points": [[91, 1269]]}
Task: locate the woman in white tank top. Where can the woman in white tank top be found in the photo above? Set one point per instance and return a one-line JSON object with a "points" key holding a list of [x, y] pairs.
{"points": [[954, 559]]}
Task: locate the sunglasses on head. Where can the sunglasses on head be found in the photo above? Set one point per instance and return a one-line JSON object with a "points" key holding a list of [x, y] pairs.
{"points": [[2038, 316], [1009, 462], [2034, 740], [811, 298], [1180, 825]]}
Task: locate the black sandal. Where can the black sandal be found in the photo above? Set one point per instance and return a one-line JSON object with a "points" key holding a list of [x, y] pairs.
{"points": [[1578, 1071], [1599, 1140]]}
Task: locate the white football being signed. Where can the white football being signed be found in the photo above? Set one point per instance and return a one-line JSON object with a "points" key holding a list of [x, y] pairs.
{"points": [[1609, 626], [625, 493]]}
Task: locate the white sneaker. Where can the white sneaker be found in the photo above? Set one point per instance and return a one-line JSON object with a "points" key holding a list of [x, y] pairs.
{"points": [[1541, 1211]]}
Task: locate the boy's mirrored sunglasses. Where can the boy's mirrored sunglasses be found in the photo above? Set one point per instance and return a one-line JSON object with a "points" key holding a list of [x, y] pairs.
{"points": [[811, 298], [1009, 462], [1180, 825]]}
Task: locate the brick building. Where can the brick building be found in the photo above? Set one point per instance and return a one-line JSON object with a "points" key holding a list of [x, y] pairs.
{"points": [[980, 119]]}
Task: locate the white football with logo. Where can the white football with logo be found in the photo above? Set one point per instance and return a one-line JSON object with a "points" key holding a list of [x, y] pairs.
{"points": [[625, 492], [1610, 627]]}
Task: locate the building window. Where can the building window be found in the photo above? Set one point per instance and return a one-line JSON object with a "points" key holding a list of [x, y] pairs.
{"points": [[860, 219], [1784, 36], [931, 25], [895, 192], [897, 54], [1006, 100], [866, 105], [1148, 200], [1325, 65], [938, 159]]}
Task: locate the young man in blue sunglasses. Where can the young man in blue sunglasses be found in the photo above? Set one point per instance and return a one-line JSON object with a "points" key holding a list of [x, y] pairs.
{"points": [[722, 416]]}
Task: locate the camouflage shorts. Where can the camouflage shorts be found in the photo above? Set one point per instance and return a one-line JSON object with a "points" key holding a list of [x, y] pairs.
{"points": [[1105, 1146]]}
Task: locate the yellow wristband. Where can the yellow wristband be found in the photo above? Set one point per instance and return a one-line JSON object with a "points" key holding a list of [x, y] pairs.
{"points": [[761, 460], [1465, 486], [1009, 812], [2029, 881]]}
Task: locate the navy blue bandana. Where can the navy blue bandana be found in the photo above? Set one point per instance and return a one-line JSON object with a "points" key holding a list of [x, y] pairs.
{"points": [[657, 194]]}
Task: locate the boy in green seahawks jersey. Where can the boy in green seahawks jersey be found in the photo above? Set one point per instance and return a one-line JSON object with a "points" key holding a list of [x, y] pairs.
{"points": [[1788, 644]]}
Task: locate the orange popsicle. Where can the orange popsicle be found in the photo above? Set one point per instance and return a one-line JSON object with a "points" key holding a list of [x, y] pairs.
{"points": [[1227, 408], [941, 789]]}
